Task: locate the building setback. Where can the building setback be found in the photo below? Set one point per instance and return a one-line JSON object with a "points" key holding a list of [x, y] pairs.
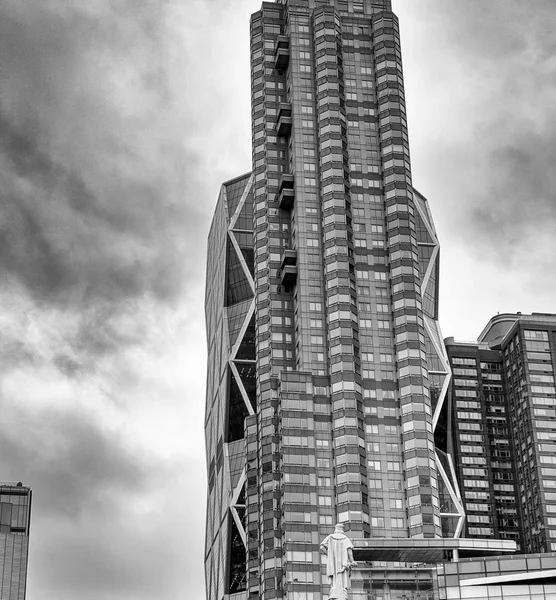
{"points": [[15, 515]]}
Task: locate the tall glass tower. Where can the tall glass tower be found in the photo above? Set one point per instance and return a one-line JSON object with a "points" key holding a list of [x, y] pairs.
{"points": [[327, 372]]}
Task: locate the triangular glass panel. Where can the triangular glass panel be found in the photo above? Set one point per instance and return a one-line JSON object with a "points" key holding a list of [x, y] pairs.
{"points": [[245, 243], [236, 461], [423, 206], [236, 318], [435, 384], [241, 513], [433, 360], [425, 253], [430, 296], [241, 497], [449, 526], [238, 573], [238, 287], [247, 372], [446, 503], [244, 220], [443, 458], [246, 350], [237, 411], [234, 192], [423, 235]]}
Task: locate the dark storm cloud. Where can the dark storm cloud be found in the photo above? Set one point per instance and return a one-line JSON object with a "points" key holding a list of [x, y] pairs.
{"points": [[101, 206], [521, 191], [494, 161], [86, 540], [76, 465], [92, 172]]}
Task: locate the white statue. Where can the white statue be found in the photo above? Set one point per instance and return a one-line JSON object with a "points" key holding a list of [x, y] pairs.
{"points": [[338, 549]]}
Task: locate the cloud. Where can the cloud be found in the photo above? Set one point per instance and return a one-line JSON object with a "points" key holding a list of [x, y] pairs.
{"points": [[521, 189], [491, 82], [480, 84], [107, 519], [106, 188], [92, 163], [71, 459]]}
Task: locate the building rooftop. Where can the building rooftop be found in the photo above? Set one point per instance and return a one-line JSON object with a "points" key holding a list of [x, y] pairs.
{"points": [[499, 326]]}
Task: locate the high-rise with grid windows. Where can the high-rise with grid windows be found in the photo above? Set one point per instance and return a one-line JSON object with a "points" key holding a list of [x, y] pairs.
{"points": [[327, 372], [503, 413], [15, 518]]}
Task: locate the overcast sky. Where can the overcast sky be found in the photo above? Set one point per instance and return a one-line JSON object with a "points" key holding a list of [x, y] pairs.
{"points": [[119, 119]]}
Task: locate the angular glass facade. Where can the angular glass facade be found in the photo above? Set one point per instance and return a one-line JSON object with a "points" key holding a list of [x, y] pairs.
{"points": [[15, 516], [231, 384]]}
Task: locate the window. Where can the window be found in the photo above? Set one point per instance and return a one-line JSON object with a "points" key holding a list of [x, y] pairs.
{"points": [[396, 523], [536, 335]]}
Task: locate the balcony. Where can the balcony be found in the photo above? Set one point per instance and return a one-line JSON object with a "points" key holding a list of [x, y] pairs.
{"points": [[288, 268], [289, 257], [286, 182], [284, 120], [288, 275], [282, 52], [286, 198], [286, 194]]}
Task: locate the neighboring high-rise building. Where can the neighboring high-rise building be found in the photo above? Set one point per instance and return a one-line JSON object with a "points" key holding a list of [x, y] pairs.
{"points": [[328, 377], [483, 445], [504, 419], [15, 515]]}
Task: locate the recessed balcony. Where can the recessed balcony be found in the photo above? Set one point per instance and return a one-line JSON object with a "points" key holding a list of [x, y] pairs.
{"points": [[288, 275], [286, 194], [289, 257], [284, 120], [282, 52], [286, 182], [286, 198]]}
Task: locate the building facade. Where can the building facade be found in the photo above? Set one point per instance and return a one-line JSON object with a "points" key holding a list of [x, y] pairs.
{"points": [[483, 442], [327, 372], [504, 429], [520, 577], [15, 518]]}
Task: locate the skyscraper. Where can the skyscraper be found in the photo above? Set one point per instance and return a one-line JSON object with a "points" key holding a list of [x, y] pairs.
{"points": [[504, 417], [327, 373], [483, 445], [15, 515]]}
